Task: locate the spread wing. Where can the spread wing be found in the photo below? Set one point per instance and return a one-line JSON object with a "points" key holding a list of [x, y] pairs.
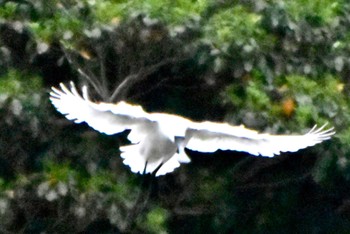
{"points": [[103, 117], [210, 137], [114, 118]]}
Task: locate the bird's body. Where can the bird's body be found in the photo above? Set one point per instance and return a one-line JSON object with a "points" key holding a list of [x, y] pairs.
{"points": [[159, 139]]}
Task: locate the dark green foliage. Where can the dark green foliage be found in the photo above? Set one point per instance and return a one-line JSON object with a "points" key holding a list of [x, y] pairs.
{"points": [[277, 66]]}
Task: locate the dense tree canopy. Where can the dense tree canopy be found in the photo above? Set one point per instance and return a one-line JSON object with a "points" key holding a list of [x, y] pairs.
{"points": [[276, 66]]}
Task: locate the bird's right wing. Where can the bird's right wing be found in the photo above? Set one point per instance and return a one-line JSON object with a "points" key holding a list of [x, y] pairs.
{"points": [[104, 117]]}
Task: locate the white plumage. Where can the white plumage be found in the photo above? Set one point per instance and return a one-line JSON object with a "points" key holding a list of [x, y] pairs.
{"points": [[160, 139]]}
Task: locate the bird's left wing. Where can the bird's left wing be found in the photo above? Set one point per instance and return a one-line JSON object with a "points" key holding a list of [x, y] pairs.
{"points": [[210, 137], [103, 117]]}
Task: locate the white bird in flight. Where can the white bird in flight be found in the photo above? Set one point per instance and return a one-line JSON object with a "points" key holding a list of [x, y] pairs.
{"points": [[158, 140]]}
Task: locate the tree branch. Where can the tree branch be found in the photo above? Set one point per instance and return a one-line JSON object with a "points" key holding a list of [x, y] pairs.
{"points": [[104, 82], [87, 74], [121, 91]]}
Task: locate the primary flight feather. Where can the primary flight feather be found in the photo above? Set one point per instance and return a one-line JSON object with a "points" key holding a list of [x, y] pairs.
{"points": [[159, 139]]}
